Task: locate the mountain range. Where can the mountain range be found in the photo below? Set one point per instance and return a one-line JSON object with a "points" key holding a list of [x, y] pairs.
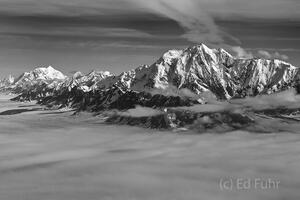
{"points": [[178, 78]]}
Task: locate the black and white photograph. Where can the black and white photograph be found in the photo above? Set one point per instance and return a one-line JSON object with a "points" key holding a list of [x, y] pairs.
{"points": [[149, 99]]}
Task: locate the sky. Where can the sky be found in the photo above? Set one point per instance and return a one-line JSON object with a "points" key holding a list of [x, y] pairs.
{"points": [[118, 35]]}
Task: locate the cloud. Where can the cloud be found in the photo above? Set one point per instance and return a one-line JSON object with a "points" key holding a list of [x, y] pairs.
{"points": [[274, 49], [261, 114], [245, 109], [276, 9], [197, 17], [112, 26], [95, 32], [198, 24], [287, 99], [280, 56], [241, 53], [64, 7], [256, 9], [264, 54], [140, 111], [269, 55]]}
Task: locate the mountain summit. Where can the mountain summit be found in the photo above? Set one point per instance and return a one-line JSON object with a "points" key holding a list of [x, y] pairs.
{"points": [[38, 79], [40, 73]]}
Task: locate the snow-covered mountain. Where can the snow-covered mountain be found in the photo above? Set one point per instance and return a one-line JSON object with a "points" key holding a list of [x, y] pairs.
{"points": [[192, 71], [41, 81], [39, 74], [199, 69]]}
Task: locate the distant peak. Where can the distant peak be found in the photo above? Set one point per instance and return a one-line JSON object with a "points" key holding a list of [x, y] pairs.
{"points": [[77, 74], [104, 73], [44, 73], [107, 73]]}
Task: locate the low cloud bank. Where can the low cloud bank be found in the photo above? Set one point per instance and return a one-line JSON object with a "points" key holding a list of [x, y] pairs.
{"points": [[241, 53], [282, 115], [286, 99], [261, 114], [140, 111]]}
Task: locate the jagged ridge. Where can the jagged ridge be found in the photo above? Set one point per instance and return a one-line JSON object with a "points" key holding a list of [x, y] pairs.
{"points": [[196, 69]]}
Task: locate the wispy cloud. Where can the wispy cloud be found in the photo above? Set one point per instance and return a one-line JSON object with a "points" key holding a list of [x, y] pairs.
{"points": [[274, 49], [279, 9], [88, 32], [199, 25], [140, 111], [270, 55], [198, 17], [241, 53], [152, 26]]}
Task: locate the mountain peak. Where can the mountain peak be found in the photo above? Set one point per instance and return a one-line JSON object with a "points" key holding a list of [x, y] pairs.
{"points": [[6, 82], [199, 69], [202, 46], [77, 75], [50, 67], [47, 73], [99, 73]]}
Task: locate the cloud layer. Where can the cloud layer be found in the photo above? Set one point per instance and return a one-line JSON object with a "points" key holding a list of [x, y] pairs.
{"points": [[199, 25], [197, 17], [40, 31]]}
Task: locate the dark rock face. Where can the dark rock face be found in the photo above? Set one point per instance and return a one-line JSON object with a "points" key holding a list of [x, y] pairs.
{"points": [[37, 92], [114, 98], [297, 86], [154, 122], [183, 118], [132, 98], [279, 111]]}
